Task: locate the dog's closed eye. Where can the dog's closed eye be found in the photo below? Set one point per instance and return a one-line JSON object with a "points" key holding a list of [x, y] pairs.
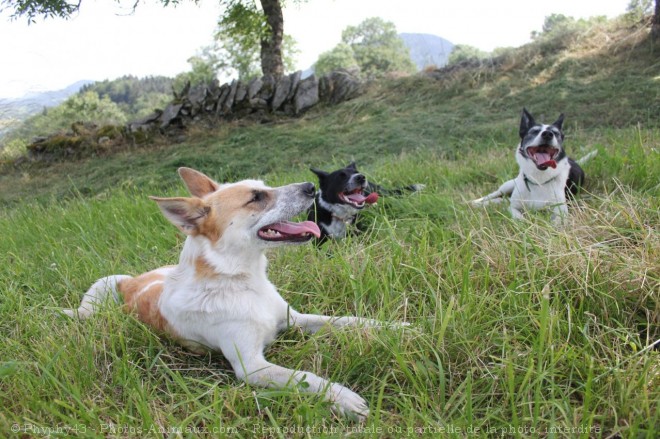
{"points": [[257, 196]]}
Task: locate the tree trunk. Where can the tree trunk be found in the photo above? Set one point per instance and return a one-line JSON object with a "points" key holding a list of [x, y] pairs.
{"points": [[655, 26], [271, 45]]}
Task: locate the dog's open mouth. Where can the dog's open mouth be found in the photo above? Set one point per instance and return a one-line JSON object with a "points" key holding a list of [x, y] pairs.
{"points": [[357, 199], [543, 156], [289, 231]]}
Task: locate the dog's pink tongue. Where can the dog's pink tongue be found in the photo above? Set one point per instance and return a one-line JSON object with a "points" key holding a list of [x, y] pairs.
{"points": [[357, 198], [371, 198], [290, 228], [543, 158]]}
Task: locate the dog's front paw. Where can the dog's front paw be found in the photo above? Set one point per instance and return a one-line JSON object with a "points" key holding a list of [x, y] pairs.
{"points": [[348, 403], [485, 201]]}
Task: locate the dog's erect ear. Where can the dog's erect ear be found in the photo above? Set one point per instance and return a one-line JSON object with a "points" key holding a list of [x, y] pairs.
{"points": [[352, 166], [526, 122], [558, 123], [185, 213], [198, 184], [320, 174]]}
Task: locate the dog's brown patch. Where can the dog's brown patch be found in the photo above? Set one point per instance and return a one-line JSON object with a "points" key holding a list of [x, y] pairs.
{"points": [[204, 270], [229, 204], [209, 227], [212, 215], [198, 184], [141, 296]]}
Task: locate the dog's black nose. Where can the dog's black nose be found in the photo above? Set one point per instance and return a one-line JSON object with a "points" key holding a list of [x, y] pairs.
{"points": [[308, 189], [547, 135], [360, 178]]}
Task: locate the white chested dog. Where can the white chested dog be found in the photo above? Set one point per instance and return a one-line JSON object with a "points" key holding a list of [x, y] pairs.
{"points": [[547, 175], [219, 297]]}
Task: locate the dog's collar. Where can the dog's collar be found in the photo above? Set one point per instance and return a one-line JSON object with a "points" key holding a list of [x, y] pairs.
{"points": [[529, 181]]}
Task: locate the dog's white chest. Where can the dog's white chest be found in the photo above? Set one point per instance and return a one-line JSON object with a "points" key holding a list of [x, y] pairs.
{"points": [[342, 215], [253, 307], [533, 196], [337, 228], [535, 189]]}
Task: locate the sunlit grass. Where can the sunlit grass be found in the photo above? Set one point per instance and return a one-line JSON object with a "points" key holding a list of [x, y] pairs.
{"points": [[519, 329]]}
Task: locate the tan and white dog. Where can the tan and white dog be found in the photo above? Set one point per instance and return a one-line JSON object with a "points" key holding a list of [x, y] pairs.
{"points": [[219, 297]]}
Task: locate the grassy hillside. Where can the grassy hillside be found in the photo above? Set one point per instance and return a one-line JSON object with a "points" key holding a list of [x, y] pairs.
{"points": [[604, 77], [518, 329]]}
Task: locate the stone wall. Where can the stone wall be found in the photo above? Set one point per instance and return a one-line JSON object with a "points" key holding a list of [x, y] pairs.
{"points": [[289, 95]]}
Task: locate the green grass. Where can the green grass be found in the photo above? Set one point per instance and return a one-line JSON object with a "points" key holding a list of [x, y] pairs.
{"points": [[515, 326], [518, 329]]}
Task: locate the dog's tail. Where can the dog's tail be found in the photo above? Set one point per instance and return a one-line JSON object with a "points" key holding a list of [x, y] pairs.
{"points": [[96, 295], [587, 157], [417, 187]]}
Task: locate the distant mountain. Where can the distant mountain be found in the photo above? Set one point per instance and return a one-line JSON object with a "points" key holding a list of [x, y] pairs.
{"points": [[15, 110], [427, 49], [34, 102]]}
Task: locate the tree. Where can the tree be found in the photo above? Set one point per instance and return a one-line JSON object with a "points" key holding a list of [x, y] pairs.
{"points": [[135, 96], [655, 27], [239, 53], [377, 47], [203, 71], [33, 9], [89, 107], [555, 21], [233, 54], [341, 57], [267, 23], [271, 42], [84, 107], [243, 22], [464, 52], [373, 46], [639, 9]]}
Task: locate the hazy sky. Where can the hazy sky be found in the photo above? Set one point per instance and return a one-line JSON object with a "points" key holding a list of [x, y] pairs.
{"points": [[105, 40]]}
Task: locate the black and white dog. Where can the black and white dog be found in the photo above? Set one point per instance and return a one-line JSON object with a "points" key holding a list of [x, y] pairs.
{"points": [[547, 175], [341, 196]]}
